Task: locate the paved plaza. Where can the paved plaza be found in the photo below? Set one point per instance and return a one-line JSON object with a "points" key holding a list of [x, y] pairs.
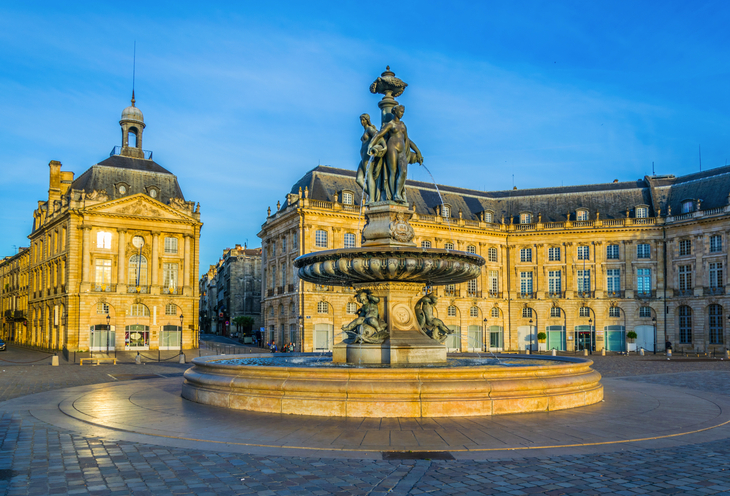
{"points": [[123, 429]]}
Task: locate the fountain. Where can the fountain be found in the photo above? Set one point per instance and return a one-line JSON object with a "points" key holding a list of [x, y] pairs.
{"points": [[393, 361]]}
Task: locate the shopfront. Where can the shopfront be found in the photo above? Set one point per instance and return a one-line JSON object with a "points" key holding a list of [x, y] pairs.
{"points": [[585, 338], [137, 337]]}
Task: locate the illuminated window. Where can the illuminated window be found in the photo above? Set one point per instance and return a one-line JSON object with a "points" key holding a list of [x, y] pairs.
{"points": [[581, 215], [474, 312], [525, 218], [104, 240], [171, 245], [139, 310], [425, 244], [448, 246], [492, 254]]}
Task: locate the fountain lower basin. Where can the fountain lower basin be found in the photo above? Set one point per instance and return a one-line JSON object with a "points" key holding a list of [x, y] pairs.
{"points": [[552, 383]]}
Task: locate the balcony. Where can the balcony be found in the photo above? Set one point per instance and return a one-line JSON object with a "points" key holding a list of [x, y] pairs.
{"points": [[713, 291], [474, 294], [642, 295], [556, 294], [137, 289], [104, 288], [684, 292], [320, 287], [452, 292], [527, 295], [171, 291], [614, 294], [118, 150], [494, 294], [585, 294]]}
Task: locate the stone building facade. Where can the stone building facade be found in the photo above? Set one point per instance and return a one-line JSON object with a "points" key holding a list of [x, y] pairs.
{"points": [[14, 294], [583, 264], [113, 255], [230, 289]]}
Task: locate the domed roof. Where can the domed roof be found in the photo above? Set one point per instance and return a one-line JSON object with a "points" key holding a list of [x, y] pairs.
{"points": [[132, 113]]}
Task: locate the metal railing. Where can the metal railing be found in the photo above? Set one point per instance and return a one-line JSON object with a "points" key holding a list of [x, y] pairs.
{"points": [[556, 294], [645, 294], [117, 150], [713, 291], [584, 294], [614, 294], [526, 295], [474, 294], [104, 288], [684, 292], [494, 294], [138, 289], [452, 292]]}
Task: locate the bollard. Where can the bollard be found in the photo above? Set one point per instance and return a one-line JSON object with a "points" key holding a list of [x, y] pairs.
{"points": [[527, 351], [603, 352], [669, 353], [182, 358], [641, 351], [554, 352], [585, 352], [727, 354], [54, 360], [138, 359]]}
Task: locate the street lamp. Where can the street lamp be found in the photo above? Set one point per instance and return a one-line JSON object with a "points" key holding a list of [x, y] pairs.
{"points": [[653, 322], [487, 341], [530, 335], [181, 331], [590, 336], [301, 332], [108, 331]]}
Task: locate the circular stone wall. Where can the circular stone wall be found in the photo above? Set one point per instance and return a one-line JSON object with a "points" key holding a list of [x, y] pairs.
{"points": [[394, 392]]}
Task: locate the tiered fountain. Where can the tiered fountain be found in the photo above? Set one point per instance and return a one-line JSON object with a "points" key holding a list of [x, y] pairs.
{"points": [[393, 362]]}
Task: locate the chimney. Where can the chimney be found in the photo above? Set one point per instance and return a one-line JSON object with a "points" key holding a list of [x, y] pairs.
{"points": [[54, 183], [67, 177]]}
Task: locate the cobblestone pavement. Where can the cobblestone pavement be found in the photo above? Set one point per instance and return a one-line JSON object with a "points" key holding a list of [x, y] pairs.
{"points": [[38, 459]]}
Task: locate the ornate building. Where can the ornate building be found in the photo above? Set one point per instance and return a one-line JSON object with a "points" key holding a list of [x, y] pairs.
{"points": [[583, 264], [113, 259], [14, 294], [230, 289]]}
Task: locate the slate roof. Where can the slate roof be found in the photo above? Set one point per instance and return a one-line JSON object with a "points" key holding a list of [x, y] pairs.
{"points": [[611, 200], [137, 174]]}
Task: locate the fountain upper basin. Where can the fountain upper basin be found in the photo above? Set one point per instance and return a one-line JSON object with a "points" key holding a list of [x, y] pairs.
{"points": [[376, 264]]}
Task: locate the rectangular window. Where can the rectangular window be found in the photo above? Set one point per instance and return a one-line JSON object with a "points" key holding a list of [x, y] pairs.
{"points": [[642, 212], [103, 275], [425, 244], [685, 277], [645, 312], [554, 254], [320, 239], [581, 215], [685, 325], [492, 254], [283, 246], [716, 324], [170, 309], [349, 240], [554, 281], [526, 255], [584, 312], [493, 281], [171, 245], [613, 280], [716, 275], [283, 275], [526, 282], [612, 252], [103, 240], [471, 287], [448, 246], [584, 281], [614, 312], [715, 243], [525, 218], [169, 276], [583, 253], [643, 281], [643, 251], [685, 247]]}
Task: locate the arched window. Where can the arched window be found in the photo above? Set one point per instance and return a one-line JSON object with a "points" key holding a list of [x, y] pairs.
{"points": [[170, 309], [645, 312], [471, 249], [495, 312], [139, 310], [685, 324], [137, 271], [525, 218], [104, 240], [614, 312], [474, 312], [555, 312], [451, 311], [584, 312], [132, 137], [446, 211], [425, 244], [349, 240], [448, 246], [323, 307], [642, 212], [351, 307], [488, 216], [715, 324], [581, 215], [527, 313], [347, 198]]}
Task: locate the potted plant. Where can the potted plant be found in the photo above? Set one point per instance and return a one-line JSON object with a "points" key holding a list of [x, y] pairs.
{"points": [[541, 337], [631, 345]]}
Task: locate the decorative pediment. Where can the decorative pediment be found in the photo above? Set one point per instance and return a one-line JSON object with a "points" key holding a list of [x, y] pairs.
{"points": [[139, 205]]}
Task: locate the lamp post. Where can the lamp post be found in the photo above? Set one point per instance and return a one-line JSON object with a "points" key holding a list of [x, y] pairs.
{"points": [[108, 331], [301, 332], [590, 335], [531, 335], [181, 331], [653, 322]]}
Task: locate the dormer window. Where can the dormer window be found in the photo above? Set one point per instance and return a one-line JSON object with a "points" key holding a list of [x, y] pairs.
{"points": [[581, 215], [488, 216], [122, 188], [642, 212], [348, 197], [687, 206], [525, 218], [153, 191], [446, 211]]}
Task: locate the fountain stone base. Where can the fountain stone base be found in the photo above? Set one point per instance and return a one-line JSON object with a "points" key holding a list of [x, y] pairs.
{"points": [[406, 344]]}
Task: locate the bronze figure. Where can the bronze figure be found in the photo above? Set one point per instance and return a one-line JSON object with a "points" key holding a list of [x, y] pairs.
{"points": [[369, 171], [367, 327], [433, 327]]}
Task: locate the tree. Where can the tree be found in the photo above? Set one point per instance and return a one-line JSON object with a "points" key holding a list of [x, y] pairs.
{"points": [[245, 322]]}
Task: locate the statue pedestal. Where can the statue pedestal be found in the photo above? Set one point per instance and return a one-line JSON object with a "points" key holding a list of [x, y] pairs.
{"points": [[407, 344], [387, 225]]}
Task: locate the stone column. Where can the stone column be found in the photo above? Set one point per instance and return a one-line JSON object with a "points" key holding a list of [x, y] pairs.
{"points": [[570, 287], [86, 255], [155, 261], [629, 255], [122, 258], [699, 280], [599, 255], [186, 267]]}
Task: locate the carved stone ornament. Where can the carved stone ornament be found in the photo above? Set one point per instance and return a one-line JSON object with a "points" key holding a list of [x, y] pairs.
{"points": [[99, 195], [180, 204], [387, 84], [141, 209], [401, 230]]}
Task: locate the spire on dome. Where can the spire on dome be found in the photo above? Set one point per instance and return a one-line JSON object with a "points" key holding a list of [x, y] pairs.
{"points": [[133, 100]]}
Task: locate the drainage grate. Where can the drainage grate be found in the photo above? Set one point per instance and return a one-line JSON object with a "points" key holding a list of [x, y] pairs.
{"points": [[417, 455]]}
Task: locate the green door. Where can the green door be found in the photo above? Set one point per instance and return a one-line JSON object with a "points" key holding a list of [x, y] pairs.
{"points": [[556, 338], [615, 340], [496, 337]]}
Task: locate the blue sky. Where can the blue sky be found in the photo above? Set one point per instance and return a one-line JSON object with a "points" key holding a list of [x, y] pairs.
{"points": [[241, 99]]}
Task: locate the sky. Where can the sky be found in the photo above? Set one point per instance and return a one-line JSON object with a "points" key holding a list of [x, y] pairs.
{"points": [[241, 99]]}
